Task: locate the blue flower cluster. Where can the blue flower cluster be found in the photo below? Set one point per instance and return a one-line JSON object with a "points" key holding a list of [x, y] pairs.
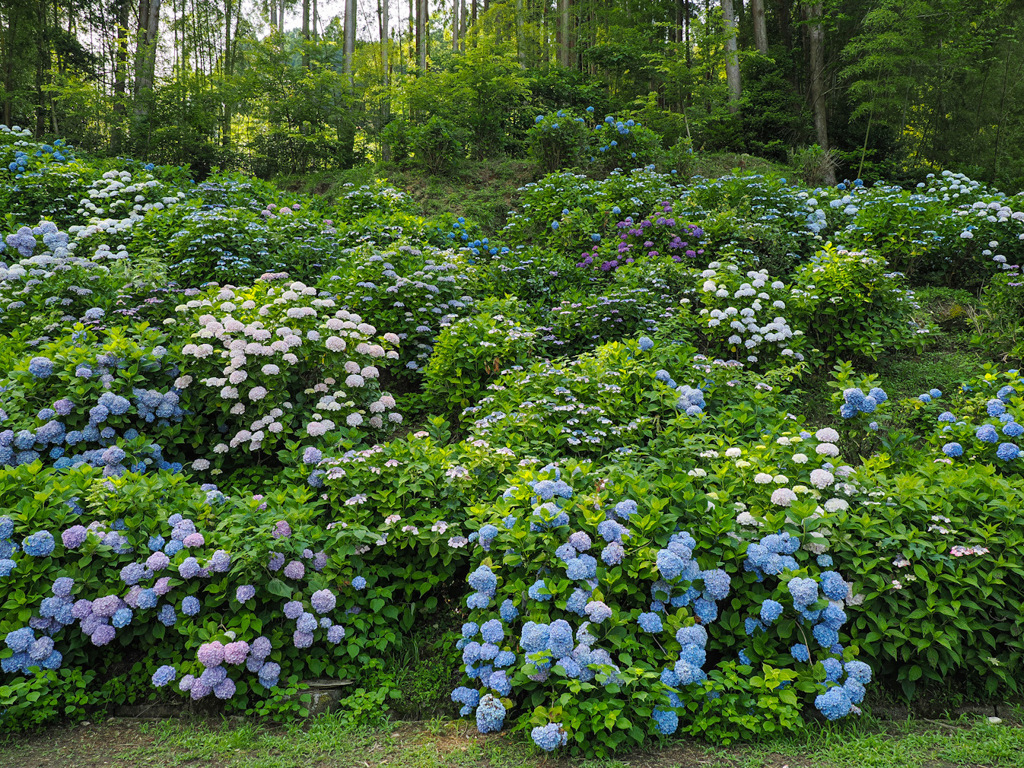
{"points": [[856, 401], [818, 601]]}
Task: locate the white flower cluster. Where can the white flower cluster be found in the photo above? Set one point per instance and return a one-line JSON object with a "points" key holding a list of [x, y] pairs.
{"points": [[744, 311], [117, 201], [256, 350]]}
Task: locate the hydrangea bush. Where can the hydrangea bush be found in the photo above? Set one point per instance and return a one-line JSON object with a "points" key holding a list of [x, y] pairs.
{"points": [[597, 620], [277, 360]]}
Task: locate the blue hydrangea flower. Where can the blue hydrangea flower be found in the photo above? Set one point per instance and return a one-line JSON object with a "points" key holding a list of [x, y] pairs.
{"points": [[987, 433], [560, 638], [834, 703], [645, 343], [716, 584], [1007, 452], [953, 450], [40, 367], [190, 605], [770, 612], [833, 586], [483, 580], [549, 737], [800, 652], [804, 591], [535, 591], [825, 636], [995, 408], [508, 611], [492, 631], [39, 544], [833, 669], [613, 553], [650, 622], [665, 720], [705, 610], [490, 714], [859, 671], [534, 637]]}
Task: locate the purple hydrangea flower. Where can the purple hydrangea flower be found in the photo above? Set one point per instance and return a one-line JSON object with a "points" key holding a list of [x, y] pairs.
{"points": [[165, 675], [211, 654], [245, 593], [323, 601], [236, 652]]}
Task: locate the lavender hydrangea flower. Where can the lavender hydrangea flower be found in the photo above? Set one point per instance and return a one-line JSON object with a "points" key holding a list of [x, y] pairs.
{"points": [[236, 652], [323, 601], [211, 654], [164, 675], [245, 593]]}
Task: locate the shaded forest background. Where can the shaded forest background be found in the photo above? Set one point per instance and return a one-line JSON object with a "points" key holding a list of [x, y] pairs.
{"points": [[888, 88]]}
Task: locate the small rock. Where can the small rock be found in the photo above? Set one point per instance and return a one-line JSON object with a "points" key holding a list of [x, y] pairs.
{"points": [[995, 720]]}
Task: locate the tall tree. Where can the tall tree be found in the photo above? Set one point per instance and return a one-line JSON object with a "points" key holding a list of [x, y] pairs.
{"points": [[816, 81], [565, 32], [422, 14], [760, 26], [349, 48], [732, 59]]}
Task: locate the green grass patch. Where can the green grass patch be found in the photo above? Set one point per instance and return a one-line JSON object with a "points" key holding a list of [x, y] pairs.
{"points": [[327, 742]]}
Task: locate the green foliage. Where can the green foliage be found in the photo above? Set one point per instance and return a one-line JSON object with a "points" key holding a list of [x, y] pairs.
{"points": [[470, 353], [850, 307], [438, 145], [558, 140]]}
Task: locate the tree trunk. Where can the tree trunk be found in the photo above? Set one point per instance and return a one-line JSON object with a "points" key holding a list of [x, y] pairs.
{"points": [[423, 10], [732, 61], [462, 24], [455, 25], [564, 33], [760, 28], [385, 44], [43, 65], [816, 40], [349, 48], [305, 34], [120, 76]]}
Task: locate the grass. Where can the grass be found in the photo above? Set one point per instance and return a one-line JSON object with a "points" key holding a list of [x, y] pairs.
{"points": [[481, 190], [326, 742]]}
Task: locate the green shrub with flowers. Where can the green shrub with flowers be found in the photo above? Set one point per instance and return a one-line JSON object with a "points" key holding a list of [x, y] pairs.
{"points": [[559, 140], [471, 352], [563, 139], [598, 619], [849, 306], [274, 361], [415, 292], [741, 314], [224, 596]]}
